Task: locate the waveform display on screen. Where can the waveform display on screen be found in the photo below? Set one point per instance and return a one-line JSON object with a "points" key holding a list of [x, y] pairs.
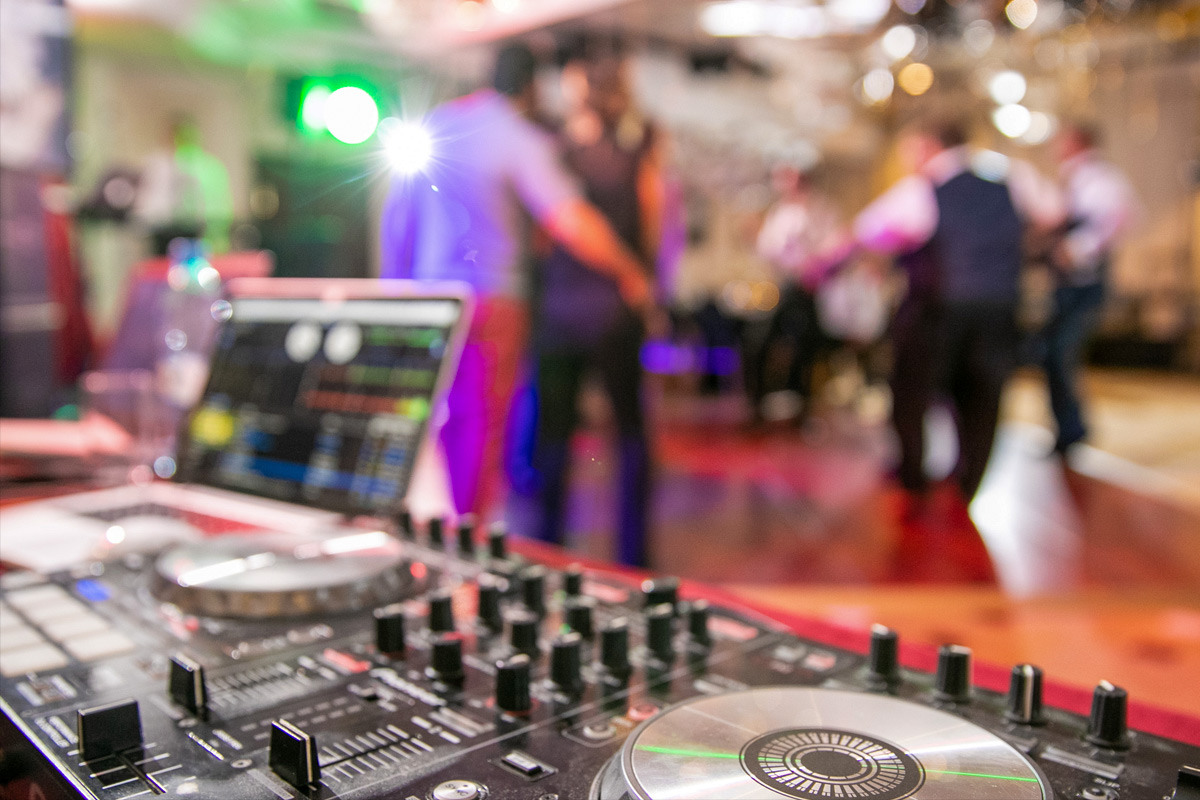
{"points": [[320, 406]]}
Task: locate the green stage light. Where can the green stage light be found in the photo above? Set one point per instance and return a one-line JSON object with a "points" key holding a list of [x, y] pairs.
{"points": [[312, 107], [351, 114]]}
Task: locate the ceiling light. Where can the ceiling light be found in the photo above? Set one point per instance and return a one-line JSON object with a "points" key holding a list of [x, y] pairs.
{"points": [[351, 115]]}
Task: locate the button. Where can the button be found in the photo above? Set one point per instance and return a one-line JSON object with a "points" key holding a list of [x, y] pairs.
{"points": [[100, 645], [642, 711], [599, 731], [63, 629], [820, 661], [1099, 793], [17, 637], [38, 658], [39, 596], [54, 609], [457, 790], [523, 763]]}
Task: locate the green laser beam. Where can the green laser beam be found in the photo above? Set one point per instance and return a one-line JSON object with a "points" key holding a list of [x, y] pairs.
{"points": [[671, 751], [981, 775]]}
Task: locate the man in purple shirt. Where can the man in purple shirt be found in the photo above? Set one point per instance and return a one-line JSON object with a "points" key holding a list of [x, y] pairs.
{"points": [[469, 216]]}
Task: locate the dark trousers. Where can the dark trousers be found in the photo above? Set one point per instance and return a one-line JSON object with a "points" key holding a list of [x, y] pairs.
{"points": [[967, 351], [560, 374], [1076, 311], [794, 323]]}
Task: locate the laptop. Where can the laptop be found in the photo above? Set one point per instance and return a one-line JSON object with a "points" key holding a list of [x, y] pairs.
{"points": [[319, 398]]}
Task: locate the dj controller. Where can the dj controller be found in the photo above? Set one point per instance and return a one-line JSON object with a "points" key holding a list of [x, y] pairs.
{"points": [[426, 665]]}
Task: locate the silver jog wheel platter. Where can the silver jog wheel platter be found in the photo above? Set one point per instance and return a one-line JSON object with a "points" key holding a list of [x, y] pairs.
{"points": [[284, 575], [815, 744]]}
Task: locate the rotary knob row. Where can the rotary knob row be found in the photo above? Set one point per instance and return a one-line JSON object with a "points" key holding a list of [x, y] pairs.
{"points": [[435, 535], [1107, 724]]}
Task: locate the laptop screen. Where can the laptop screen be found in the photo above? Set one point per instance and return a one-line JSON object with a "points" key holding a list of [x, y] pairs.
{"points": [[319, 402]]}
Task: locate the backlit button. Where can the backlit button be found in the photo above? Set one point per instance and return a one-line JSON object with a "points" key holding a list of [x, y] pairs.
{"points": [[54, 609], [38, 658], [457, 790], [63, 629], [17, 637], [642, 711], [99, 645]]}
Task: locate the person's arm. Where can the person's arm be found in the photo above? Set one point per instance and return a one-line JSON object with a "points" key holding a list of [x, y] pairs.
{"points": [[1104, 206], [578, 226], [554, 201], [900, 220], [651, 190], [1037, 199]]}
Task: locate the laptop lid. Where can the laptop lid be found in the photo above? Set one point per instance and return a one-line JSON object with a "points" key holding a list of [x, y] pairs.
{"points": [[320, 392]]}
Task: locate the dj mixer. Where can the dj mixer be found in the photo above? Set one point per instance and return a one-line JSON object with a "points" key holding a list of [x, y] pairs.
{"points": [[429, 665]]}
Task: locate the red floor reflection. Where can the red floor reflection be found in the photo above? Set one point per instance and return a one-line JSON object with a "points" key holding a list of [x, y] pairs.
{"points": [[815, 506]]}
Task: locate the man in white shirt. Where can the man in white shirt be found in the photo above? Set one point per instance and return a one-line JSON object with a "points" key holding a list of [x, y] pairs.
{"points": [[1100, 205], [956, 227]]}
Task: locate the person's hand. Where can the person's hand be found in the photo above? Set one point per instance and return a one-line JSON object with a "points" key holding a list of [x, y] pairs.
{"points": [[637, 292]]}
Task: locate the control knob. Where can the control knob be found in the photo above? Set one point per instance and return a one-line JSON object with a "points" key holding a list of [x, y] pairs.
{"points": [[466, 536], [614, 648], [389, 630], [532, 580], [578, 615], [656, 591], [883, 658], [490, 612], [441, 612], [1025, 696], [523, 632], [512, 684], [566, 664], [697, 622], [572, 581], [498, 541], [1107, 724], [446, 660], [953, 680], [660, 631]]}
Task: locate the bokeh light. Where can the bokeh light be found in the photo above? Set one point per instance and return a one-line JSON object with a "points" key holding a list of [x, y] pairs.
{"points": [[408, 145], [1012, 120], [877, 86], [1021, 13], [898, 42], [351, 115], [1007, 87], [915, 78]]}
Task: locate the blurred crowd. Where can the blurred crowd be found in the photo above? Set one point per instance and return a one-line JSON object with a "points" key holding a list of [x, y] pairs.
{"points": [[570, 233]]}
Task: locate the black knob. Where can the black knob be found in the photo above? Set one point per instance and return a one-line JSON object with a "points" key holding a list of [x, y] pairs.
{"points": [[657, 591], [186, 685], [1025, 696], [578, 615], [389, 630], [292, 754], [512, 684], [498, 541], [104, 730], [573, 581], [490, 592], [523, 632], [1107, 725], [883, 658], [953, 681], [660, 631], [614, 647], [441, 612], [697, 622], [437, 532], [566, 664], [533, 588], [446, 659], [466, 536], [404, 524]]}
